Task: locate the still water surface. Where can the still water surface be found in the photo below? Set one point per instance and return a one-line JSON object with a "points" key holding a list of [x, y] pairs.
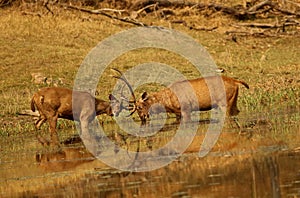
{"points": [[266, 171]]}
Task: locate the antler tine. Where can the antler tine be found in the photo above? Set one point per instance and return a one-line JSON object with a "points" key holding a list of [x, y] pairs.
{"points": [[129, 101], [132, 111], [123, 78], [117, 70], [123, 98]]}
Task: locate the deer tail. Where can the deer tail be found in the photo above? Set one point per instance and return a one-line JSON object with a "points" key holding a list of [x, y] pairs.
{"points": [[243, 83], [32, 104]]}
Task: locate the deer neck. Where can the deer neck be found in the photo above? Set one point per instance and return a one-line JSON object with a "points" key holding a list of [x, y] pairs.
{"points": [[160, 97], [154, 98], [156, 103], [101, 106]]}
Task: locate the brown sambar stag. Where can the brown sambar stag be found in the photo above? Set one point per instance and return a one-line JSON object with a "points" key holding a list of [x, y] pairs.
{"points": [[167, 100], [194, 96], [56, 102]]}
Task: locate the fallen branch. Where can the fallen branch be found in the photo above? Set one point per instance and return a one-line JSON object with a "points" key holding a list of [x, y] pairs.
{"points": [[101, 12], [239, 13], [135, 14], [208, 29], [258, 25], [46, 3], [260, 5], [140, 4], [266, 25], [147, 7], [288, 12], [252, 11], [112, 10], [247, 33], [193, 27], [31, 13], [296, 22]]}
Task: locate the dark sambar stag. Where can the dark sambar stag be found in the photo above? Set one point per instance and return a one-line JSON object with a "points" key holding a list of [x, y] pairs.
{"points": [[57, 102]]}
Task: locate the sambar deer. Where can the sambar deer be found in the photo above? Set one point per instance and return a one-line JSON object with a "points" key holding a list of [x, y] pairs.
{"points": [[57, 102], [167, 101]]}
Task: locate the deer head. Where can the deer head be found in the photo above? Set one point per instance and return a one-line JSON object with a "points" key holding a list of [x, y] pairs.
{"points": [[144, 106]]}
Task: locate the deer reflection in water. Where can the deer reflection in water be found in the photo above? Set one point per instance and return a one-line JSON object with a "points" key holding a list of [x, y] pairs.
{"points": [[65, 159]]}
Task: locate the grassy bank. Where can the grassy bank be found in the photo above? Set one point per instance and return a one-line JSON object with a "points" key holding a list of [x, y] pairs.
{"points": [[55, 46]]}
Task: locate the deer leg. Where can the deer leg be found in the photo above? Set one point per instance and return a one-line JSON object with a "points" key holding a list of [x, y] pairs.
{"points": [[42, 140], [52, 125], [178, 117], [39, 122], [88, 140], [186, 116], [84, 129], [232, 110], [236, 121]]}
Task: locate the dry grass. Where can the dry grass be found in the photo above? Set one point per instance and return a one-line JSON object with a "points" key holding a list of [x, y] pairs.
{"points": [[56, 45]]}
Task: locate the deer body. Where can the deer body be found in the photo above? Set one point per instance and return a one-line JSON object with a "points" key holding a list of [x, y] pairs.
{"points": [[167, 100], [57, 102]]}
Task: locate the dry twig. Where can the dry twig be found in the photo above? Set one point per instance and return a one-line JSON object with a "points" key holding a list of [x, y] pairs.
{"points": [[266, 25]]}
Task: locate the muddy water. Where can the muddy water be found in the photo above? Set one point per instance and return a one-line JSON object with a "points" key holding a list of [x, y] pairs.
{"points": [[232, 169]]}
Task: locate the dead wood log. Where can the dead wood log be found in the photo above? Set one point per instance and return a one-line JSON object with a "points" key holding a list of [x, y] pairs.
{"points": [[175, 4], [169, 6], [239, 13], [242, 13]]}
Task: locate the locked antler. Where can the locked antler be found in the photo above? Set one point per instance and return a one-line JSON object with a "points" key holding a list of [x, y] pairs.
{"points": [[124, 79]]}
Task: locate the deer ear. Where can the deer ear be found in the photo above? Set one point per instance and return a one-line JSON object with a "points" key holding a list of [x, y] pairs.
{"points": [[112, 97], [145, 96]]}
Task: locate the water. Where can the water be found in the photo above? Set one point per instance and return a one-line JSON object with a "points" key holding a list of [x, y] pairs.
{"points": [[240, 165]]}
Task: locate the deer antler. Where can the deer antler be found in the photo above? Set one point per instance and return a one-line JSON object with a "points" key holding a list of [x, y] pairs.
{"points": [[123, 98], [123, 78]]}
